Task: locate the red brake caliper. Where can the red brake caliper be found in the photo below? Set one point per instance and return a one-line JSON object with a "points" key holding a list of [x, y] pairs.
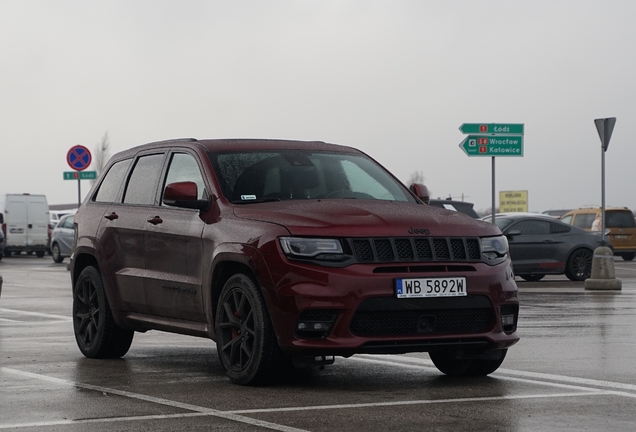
{"points": [[235, 331]]}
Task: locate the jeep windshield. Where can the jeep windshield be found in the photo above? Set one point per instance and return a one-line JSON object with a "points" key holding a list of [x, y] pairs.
{"points": [[250, 177]]}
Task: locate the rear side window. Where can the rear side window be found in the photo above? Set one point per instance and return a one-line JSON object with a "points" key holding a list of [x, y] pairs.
{"points": [[112, 182], [556, 228], [620, 219], [142, 186], [584, 220]]}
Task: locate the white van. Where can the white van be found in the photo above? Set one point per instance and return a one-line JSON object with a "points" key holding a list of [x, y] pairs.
{"points": [[25, 223]]}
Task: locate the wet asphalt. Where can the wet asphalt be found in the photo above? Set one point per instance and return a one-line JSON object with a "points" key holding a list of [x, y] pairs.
{"points": [[573, 369]]}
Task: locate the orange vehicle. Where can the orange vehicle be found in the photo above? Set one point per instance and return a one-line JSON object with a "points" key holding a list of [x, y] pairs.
{"points": [[619, 221]]}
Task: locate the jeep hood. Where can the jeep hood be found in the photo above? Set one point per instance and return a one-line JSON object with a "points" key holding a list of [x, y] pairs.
{"points": [[365, 218]]}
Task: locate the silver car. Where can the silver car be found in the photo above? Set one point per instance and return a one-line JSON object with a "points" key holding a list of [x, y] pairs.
{"points": [[62, 239]]}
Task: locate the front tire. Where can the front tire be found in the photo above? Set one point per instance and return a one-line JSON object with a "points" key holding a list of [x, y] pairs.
{"points": [[245, 338], [629, 256], [96, 333], [56, 254], [579, 265], [532, 277], [449, 363]]}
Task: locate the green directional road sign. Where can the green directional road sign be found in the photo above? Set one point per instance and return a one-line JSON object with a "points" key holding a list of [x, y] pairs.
{"points": [[491, 128], [495, 145], [81, 175]]}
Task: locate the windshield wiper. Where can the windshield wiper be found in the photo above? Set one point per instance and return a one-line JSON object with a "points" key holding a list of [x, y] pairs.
{"points": [[256, 201]]}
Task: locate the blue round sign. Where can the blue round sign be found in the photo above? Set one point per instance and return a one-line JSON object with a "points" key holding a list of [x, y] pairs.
{"points": [[79, 157]]}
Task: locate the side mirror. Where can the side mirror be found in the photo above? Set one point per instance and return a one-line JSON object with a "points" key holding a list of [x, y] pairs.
{"points": [[513, 233], [421, 192], [184, 194]]}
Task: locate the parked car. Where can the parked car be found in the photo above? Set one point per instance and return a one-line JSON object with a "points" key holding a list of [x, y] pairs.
{"points": [[460, 206], [286, 254], [541, 245], [55, 216], [620, 222], [62, 239]]}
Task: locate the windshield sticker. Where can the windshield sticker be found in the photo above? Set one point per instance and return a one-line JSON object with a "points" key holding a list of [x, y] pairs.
{"points": [[248, 197]]}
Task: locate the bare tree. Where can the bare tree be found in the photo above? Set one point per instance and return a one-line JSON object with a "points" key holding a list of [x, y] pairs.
{"points": [[101, 154], [416, 177]]}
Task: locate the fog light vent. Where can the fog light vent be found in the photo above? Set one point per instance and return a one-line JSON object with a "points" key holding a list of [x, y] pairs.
{"points": [[315, 324], [509, 315]]}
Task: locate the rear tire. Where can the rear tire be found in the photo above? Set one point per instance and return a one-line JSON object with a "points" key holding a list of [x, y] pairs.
{"points": [[448, 363], [629, 256], [39, 254], [245, 338], [96, 333]]}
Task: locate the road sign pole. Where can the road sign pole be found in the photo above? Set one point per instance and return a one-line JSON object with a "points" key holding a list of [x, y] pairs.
{"points": [[79, 192], [493, 190], [605, 127]]}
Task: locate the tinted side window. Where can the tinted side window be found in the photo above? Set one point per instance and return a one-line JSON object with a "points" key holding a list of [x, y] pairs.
{"points": [[532, 227], [142, 186], [112, 182], [184, 167], [620, 219], [557, 228]]}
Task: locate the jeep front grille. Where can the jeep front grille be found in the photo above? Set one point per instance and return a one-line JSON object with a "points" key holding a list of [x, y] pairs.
{"points": [[409, 249]]}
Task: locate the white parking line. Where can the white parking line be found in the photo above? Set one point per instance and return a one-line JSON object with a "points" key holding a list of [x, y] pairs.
{"points": [[521, 376], [197, 410], [65, 318], [625, 268], [577, 387]]}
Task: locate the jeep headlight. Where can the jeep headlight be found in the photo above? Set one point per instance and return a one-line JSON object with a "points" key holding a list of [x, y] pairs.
{"points": [[494, 249], [301, 247]]}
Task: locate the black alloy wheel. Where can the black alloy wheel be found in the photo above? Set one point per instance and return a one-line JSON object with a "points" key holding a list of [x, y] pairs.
{"points": [[245, 339], [579, 265], [96, 333], [532, 277]]}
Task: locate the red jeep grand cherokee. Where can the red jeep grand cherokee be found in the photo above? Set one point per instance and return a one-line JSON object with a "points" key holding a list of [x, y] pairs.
{"points": [[285, 253]]}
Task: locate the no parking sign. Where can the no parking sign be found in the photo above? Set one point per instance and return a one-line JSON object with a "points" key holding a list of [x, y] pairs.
{"points": [[79, 157]]}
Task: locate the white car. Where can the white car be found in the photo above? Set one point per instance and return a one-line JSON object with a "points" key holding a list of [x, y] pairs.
{"points": [[62, 238]]}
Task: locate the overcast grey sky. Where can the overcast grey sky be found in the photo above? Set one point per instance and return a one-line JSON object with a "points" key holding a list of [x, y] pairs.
{"points": [[393, 78]]}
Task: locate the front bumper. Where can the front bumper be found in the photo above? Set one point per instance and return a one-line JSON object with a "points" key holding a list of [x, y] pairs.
{"points": [[366, 316]]}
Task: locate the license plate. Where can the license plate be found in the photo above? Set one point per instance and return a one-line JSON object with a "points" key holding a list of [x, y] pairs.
{"points": [[430, 287], [621, 236]]}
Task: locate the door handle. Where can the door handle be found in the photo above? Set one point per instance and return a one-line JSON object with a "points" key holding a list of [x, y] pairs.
{"points": [[112, 216], [155, 220]]}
